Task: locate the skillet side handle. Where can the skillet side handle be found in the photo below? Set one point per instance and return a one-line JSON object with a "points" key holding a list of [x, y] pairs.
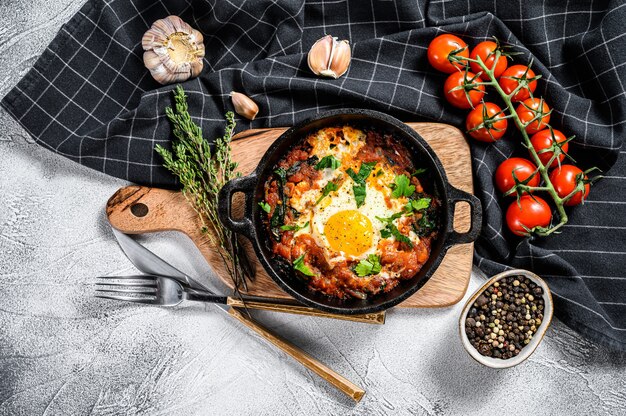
{"points": [[245, 225], [476, 217]]}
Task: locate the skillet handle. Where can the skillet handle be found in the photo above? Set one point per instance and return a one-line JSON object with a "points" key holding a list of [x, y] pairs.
{"points": [[476, 217], [244, 225]]}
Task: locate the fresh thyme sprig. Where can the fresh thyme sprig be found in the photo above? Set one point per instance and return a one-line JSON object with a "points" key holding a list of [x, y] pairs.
{"points": [[202, 172]]}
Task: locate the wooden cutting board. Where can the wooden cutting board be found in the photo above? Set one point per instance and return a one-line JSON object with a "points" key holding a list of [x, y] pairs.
{"points": [[138, 209]]}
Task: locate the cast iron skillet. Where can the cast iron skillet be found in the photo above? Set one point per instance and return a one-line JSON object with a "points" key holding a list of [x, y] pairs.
{"points": [[253, 227]]}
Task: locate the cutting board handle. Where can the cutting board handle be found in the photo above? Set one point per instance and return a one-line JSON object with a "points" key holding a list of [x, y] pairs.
{"points": [[141, 209]]}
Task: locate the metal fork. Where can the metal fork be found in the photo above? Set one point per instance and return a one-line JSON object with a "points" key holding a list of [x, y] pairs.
{"points": [[165, 291], [158, 290]]}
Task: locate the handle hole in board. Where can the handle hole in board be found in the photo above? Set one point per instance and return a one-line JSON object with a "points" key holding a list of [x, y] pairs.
{"points": [[462, 218], [139, 210]]}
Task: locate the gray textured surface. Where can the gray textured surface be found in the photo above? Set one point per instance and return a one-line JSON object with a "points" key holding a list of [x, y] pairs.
{"points": [[64, 352]]}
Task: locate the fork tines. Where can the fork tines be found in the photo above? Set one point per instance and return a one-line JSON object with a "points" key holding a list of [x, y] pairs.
{"points": [[128, 285]]}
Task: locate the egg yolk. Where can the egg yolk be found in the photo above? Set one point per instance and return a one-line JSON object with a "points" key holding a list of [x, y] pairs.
{"points": [[349, 231]]}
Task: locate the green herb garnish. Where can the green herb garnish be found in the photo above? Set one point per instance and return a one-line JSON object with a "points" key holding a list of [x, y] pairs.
{"points": [[402, 187], [265, 206], [359, 188], [330, 187], [387, 220], [411, 207], [329, 161], [364, 172], [417, 205], [294, 227], [426, 224], [369, 266], [419, 171], [298, 264], [393, 231]]}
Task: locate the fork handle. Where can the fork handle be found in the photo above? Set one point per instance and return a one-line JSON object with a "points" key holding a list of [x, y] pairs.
{"points": [[340, 382], [199, 296], [278, 305], [282, 305]]}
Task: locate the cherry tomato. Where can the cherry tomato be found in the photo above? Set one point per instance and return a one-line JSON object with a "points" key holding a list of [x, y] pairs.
{"points": [[529, 109], [457, 97], [440, 48], [508, 83], [544, 140], [565, 179], [523, 169], [494, 125], [486, 51], [529, 212]]}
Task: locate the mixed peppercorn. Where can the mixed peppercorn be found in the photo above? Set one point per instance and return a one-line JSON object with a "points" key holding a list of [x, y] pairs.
{"points": [[505, 317]]}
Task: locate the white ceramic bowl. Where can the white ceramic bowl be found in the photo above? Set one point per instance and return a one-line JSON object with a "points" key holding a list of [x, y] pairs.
{"points": [[537, 337]]}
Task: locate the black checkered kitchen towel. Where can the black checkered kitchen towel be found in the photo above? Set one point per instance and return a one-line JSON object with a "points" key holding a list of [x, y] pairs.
{"points": [[90, 99]]}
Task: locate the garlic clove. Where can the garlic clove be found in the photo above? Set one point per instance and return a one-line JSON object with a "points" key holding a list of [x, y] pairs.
{"points": [[329, 57], [319, 55], [244, 106], [151, 59], [197, 37], [173, 50], [180, 25], [341, 58], [163, 27], [196, 68]]}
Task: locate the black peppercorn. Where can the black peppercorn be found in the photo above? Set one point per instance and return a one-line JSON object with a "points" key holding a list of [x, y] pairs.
{"points": [[505, 317]]}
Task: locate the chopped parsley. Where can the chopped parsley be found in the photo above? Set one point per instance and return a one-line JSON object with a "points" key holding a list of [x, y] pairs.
{"points": [[298, 264], [419, 171], [412, 206], [265, 206], [402, 187], [369, 266], [392, 230], [359, 181], [294, 227], [329, 161], [426, 225], [385, 233], [387, 220], [330, 187], [417, 205]]}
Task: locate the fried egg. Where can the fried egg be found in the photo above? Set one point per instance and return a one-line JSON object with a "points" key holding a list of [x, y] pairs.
{"points": [[344, 230]]}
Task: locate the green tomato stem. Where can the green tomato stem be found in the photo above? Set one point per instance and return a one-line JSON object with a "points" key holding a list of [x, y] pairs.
{"points": [[543, 170]]}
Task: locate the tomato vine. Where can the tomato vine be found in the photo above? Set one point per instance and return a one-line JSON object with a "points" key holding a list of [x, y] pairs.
{"points": [[530, 115]]}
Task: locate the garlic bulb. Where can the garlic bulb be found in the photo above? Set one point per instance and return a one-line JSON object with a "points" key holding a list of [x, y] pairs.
{"points": [[329, 57], [173, 50], [244, 106]]}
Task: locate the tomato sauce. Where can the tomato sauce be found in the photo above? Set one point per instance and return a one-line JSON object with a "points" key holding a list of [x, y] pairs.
{"points": [[399, 261]]}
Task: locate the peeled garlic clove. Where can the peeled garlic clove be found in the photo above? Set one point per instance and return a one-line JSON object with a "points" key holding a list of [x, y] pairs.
{"points": [[329, 57], [244, 106], [173, 50]]}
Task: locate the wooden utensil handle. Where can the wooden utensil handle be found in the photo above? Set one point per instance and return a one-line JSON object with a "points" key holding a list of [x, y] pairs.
{"points": [[340, 382], [368, 318]]}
